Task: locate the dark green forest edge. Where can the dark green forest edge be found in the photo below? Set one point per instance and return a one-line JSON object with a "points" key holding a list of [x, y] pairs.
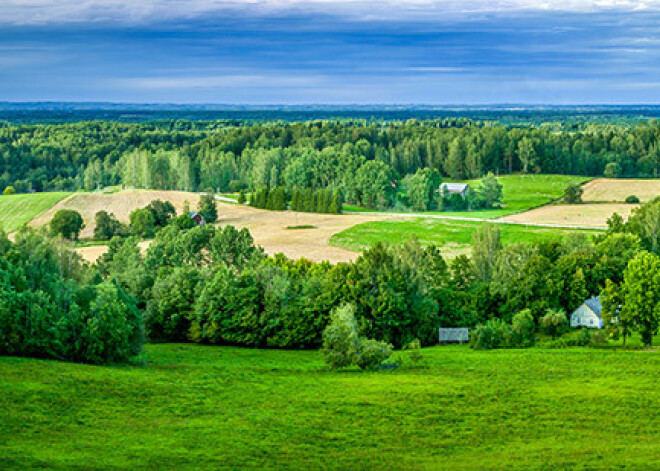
{"points": [[381, 164], [213, 285]]}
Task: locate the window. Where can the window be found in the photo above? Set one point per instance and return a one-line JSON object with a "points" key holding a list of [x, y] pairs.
{"points": [[591, 321]]}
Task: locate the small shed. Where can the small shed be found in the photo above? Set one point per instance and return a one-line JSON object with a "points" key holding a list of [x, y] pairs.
{"points": [[452, 335], [198, 218], [588, 314], [454, 188]]}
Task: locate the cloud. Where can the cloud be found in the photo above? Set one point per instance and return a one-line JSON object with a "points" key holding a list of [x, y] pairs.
{"points": [[215, 81], [40, 12]]}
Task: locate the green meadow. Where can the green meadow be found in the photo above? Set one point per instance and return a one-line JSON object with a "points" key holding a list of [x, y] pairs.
{"points": [[451, 235], [199, 407], [17, 210]]}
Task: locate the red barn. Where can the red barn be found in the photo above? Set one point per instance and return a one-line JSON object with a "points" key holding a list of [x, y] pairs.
{"points": [[198, 218]]}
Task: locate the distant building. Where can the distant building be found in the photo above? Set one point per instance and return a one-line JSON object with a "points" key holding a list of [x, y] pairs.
{"points": [[454, 188], [451, 335], [198, 218], [588, 314]]}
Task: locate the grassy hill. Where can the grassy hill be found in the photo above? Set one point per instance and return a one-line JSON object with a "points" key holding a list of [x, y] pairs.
{"points": [[199, 407], [17, 210], [453, 237]]}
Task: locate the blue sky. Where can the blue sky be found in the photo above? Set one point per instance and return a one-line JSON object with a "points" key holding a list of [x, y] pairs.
{"points": [[334, 52]]}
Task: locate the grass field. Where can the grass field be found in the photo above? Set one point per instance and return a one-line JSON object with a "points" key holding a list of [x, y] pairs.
{"points": [[17, 210], [521, 192], [200, 407], [582, 215], [453, 237]]}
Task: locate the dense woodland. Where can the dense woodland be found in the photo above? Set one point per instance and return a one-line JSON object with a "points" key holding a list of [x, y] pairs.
{"points": [[213, 285], [368, 162]]}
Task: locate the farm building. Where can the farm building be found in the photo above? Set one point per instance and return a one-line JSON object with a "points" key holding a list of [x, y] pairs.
{"points": [[588, 314], [450, 335], [198, 218], [454, 188]]}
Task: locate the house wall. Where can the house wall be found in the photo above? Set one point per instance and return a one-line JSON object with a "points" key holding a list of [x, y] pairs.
{"points": [[585, 317]]}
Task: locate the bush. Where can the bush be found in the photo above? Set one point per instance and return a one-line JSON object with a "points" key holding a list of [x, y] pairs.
{"points": [[632, 199], [342, 347], [554, 322], [573, 194], [523, 329], [579, 338], [493, 334], [9, 191], [142, 223], [107, 226]]}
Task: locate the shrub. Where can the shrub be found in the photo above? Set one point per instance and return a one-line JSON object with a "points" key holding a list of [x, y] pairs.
{"points": [[208, 208], [554, 322], [523, 329], [107, 226], [142, 223], [632, 199], [342, 347], [573, 194], [9, 191], [579, 338], [493, 334]]}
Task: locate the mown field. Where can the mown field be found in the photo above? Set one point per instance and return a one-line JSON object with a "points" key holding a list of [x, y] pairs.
{"points": [[197, 407], [452, 236], [17, 210]]}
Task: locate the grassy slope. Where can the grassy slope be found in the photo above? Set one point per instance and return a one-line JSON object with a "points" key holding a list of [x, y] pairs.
{"points": [[202, 407], [521, 192], [16, 210], [452, 235]]}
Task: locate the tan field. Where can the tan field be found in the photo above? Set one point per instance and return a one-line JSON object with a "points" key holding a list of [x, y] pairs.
{"points": [[269, 228], [578, 215], [617, 190], [121, 204]]}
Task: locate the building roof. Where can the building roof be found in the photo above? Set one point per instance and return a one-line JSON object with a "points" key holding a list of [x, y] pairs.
{"points": [[456, 187], [594, 305]]}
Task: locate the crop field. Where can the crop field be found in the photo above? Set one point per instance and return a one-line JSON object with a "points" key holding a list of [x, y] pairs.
{"points": [[120, 203], [579, 215], [618, 189], [200, 407], [452, 237], [17, 210]]}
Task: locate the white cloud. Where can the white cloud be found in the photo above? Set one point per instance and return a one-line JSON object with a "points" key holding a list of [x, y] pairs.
{"points": [[138, 11], [215, 81]]}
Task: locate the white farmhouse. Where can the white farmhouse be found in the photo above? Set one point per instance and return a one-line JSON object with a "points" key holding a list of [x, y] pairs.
{"points": [[451, 188], [588, 314]]}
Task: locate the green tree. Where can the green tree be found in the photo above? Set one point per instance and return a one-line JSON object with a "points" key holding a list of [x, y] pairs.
{"points": [[142, 223], [490, 191], [162, 211], [573, 194], [9, 191], [612, 170], [241, 197], [485, 247], [374, 182], [526, 154], [640, 295], [523, 329], [107, 226], [67, 223], [554, 322], [208, 208]]}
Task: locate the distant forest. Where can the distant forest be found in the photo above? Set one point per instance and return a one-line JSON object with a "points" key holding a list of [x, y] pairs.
{"points": [[367, 161]]}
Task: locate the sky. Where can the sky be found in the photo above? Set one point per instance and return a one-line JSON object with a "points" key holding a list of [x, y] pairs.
{"points": [[434, 52]]}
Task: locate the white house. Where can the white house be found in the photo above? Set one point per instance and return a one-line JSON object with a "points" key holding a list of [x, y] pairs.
{"points": [[588, 314], [450, 188]]}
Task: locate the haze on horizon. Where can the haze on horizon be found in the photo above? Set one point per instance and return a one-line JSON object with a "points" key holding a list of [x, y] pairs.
{"points": [[332, 52]]}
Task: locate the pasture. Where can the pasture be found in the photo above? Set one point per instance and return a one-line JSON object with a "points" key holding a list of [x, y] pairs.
{"points": [[452, 237], [17, 210], [199, 407]]}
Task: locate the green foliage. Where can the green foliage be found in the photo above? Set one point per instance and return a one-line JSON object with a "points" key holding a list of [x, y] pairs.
{"points": [[573, 194], [208, 208], [162, 211], [343, 347], [493, 334], [612, 170], [184, 221], [422, 189], [554, 322], [142, 223], [523, 329], [9, 191], [49, 310], [107, 226], [241, 197], [632, 199], [67, 223]]}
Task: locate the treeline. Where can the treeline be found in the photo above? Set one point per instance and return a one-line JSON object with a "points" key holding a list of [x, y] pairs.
{"points": [[367, 162], [213, 285]]}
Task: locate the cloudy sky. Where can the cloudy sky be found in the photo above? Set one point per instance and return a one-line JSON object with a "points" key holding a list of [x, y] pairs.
{"points": [[331, 51]]}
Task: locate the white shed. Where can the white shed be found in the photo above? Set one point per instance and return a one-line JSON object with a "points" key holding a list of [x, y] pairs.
{"points": [[588, 314], [451, 188]]}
